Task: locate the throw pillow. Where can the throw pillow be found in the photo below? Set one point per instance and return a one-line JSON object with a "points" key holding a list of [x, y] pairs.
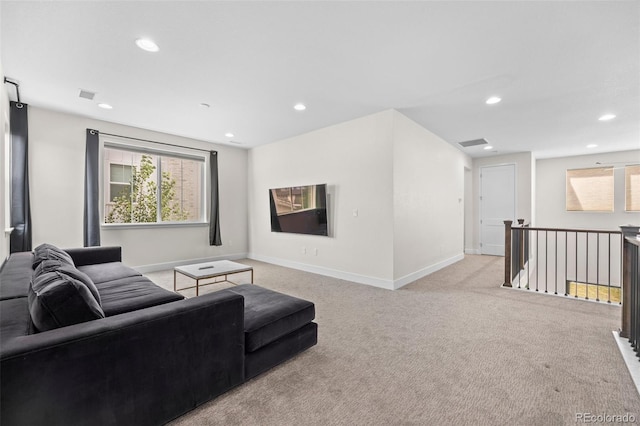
{"points": [[49, 251], [55, 265], [57, 300]]}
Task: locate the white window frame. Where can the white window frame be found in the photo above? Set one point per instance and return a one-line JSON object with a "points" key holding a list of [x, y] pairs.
{"points": [[111, 182], [627, 190], [148, 148]]}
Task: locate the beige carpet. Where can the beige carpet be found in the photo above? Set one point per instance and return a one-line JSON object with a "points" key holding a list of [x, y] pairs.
{"points": [[450, 349]]}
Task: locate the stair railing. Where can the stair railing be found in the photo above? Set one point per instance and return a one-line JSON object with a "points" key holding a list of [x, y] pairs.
{"points": [[631, 287], [583, 263]]}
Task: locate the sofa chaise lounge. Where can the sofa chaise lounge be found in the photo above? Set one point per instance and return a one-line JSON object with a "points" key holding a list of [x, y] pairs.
{"points": [[129, 352]]}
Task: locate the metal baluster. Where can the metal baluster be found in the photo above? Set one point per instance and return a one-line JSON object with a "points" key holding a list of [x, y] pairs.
{"points": [[515, 247], [527, 267], [598, 268], [555, 286], [576, 280], [609, 272], [546, 260], [566, 261], [621, 271], [633, 299], [586, 267], [634, 289], [520, 242], [537, 256]]}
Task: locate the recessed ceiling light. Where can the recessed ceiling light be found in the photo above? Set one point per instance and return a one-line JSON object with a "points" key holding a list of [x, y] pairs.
{"points": [[592, 145], [229, 134], [607, 117], [488, 147], [146, 44], [299, 107], [105, 106], [493, 100]]}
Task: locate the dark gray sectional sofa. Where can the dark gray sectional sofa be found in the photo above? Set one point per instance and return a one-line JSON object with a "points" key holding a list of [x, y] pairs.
{"points": [[129, 352]]}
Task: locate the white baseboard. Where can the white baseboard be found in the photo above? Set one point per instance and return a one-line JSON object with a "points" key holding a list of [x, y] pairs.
{"points": [[320, 270], [471, 251], [143, 269], [414, 276], [630, 358], [357, 278]]}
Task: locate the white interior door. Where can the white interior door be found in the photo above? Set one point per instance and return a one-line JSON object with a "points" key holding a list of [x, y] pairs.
{"points": [[497, 204]]}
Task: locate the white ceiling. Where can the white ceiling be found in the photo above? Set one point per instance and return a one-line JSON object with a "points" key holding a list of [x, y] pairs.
{"points": [[558, 66]]}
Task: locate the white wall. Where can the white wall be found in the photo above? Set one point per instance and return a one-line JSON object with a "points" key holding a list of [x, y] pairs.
{"points": [[428, 194], [525, 188], [4, 166], [406, 184], [551, 184], [355, 160], [57, 149]]}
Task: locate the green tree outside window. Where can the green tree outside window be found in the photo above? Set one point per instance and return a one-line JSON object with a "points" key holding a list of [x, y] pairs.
{"points": [[140, 204]]}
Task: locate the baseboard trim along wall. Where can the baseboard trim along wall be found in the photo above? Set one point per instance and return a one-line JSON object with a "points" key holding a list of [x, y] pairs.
{"points": [[414, 276], [320, 270], [143, 269], [471, 251], [348, 276], [630, 358], [357, 278]]}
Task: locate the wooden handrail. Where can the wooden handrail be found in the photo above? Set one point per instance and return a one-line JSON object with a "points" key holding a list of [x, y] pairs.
{"points": [[590, 231]]}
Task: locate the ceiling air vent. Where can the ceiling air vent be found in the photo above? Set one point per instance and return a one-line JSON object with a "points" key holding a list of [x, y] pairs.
{"points": [[474, 142], [86, 94]]}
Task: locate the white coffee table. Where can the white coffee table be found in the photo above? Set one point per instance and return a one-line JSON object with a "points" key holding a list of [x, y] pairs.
{"points": [[208, 270]]}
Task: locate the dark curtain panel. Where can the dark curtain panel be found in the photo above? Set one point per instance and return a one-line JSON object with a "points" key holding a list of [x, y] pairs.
{"points": [[91, 190], [20, 206], [214, 211]]}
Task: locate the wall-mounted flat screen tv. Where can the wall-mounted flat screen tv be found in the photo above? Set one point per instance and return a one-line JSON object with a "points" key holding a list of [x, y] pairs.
{"points": [[299, 209]]}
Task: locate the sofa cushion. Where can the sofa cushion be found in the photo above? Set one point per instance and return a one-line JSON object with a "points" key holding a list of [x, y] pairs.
{"points": [[52, 265], [103, 272], [284, 348], [49, 251], [57, 300], [132, 293], [269, 315], [15, 275]]}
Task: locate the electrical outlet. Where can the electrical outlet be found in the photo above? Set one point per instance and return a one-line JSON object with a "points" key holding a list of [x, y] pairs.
{"points": [[315, 251], [304, 250]]}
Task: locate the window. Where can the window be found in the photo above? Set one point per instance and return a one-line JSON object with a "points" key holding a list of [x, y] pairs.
{"points": [[119, 181], [632, 188], [152, 187], [590, 189]]}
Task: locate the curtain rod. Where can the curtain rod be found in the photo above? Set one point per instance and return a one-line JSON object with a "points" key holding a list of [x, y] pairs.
{"points": [[148, 140], [17, 86]]}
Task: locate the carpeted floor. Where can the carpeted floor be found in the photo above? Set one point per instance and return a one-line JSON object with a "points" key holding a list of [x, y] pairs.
{"points": [[450, 349]]}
